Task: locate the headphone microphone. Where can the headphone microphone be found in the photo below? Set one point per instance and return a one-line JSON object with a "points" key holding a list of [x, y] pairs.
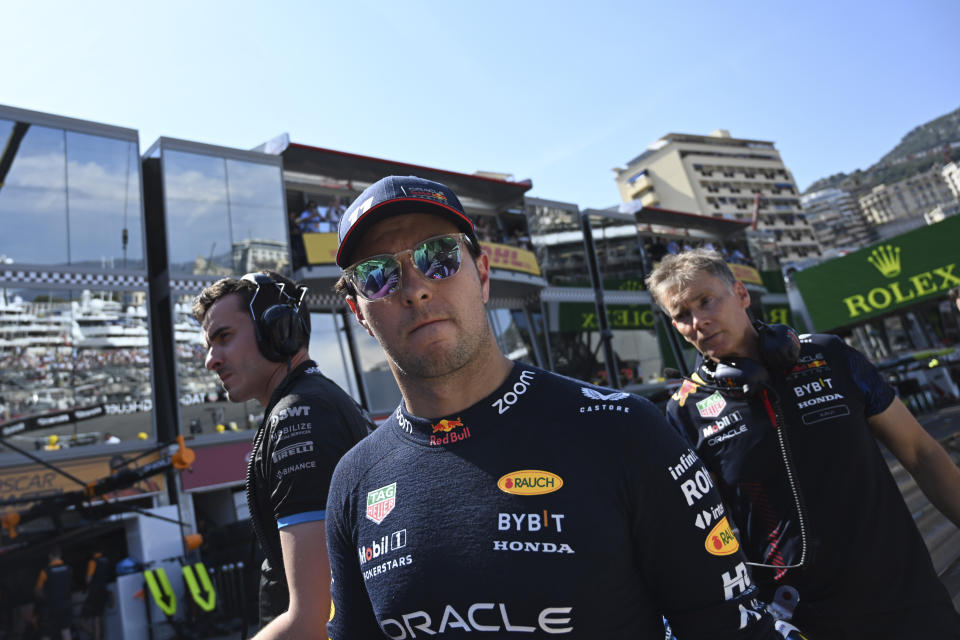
{"points": [[779, 350], [740, 378]]}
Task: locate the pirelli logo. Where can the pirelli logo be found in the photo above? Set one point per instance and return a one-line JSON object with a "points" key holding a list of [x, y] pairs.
{"points": [[292, 450]]}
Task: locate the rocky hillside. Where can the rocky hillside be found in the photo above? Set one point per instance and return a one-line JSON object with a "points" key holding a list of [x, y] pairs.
{"points": [[920, 149]]}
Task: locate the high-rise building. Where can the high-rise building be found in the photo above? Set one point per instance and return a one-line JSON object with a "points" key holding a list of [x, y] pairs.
{"points": [[951, 175], [904, 203], [725, 177], [836, 220]]}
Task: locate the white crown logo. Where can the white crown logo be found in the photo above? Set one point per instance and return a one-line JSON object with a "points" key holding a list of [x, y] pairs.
{"points": [[886, 259]]}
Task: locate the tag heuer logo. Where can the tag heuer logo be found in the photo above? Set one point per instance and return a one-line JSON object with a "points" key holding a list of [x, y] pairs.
{"points": [[380, 502], [711, 406]]}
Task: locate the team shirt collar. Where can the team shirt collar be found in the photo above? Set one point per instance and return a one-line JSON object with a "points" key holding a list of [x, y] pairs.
{"points": [[460, 426]]}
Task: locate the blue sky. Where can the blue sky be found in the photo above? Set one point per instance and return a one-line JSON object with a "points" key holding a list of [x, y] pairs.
{"points": [[557, 92]]}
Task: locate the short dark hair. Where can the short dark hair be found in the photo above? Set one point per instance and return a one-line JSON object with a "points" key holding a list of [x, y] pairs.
{"points": [[344, 289], [954, 293], [226, 286]]}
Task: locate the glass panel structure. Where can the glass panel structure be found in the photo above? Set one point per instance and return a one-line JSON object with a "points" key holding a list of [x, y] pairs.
{"points": [[75, 364], [224, 216], [103, 200], [69, 198], [512, 334], [558, 244], [381, 389], [330, 349]]}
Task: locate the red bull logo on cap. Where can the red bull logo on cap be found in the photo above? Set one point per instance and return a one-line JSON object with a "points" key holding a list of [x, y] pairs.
{"points": [[430, 194]]}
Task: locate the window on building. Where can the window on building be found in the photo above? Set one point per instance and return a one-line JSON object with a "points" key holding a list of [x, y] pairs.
{"points": [[219, 211], [70, 199]]}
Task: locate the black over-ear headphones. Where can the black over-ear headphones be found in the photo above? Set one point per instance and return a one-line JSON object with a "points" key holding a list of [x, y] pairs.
{"points": [[280, 320], [779, 350]]}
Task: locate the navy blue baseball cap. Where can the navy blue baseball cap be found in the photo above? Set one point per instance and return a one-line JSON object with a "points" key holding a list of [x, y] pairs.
{"points": [[396, 195]]}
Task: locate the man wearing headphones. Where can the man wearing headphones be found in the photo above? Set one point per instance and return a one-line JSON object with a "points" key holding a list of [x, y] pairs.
{"points": [[787, 427], [257, 331]]}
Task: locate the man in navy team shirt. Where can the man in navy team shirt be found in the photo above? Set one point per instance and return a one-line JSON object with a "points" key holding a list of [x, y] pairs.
{"points": [[501, 500], [789, 426]]}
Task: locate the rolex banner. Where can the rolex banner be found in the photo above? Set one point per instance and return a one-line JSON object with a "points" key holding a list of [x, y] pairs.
{"points": [[885, 277]]}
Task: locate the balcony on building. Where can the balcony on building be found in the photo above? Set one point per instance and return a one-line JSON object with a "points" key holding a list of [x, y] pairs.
{"points": [[330, 180]]}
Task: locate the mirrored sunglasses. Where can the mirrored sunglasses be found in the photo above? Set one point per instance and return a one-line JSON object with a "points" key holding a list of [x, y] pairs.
{"points": [[378, 277]]}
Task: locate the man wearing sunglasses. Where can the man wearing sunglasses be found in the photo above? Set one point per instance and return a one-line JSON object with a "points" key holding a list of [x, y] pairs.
{"points": [[499, 498]]}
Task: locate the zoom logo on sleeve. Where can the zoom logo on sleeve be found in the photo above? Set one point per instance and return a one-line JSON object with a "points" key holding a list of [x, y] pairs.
{"points": [[510, 398]]}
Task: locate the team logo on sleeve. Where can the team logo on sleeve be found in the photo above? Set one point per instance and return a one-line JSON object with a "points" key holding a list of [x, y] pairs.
{"points": [[593, 394], [711, 406], [721, 541], [688, 387], [529, 482], [380, 502]]}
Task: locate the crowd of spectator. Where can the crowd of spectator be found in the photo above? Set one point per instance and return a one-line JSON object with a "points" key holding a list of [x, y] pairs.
{"points": [[657, 248]]}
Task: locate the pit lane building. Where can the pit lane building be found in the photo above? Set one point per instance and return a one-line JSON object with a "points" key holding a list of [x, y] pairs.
{"points": [[104, 248]]}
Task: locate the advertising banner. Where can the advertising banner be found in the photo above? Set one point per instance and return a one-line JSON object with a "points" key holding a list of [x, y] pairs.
{"points": [[321, 248], [745, 274], [582, 316], [890, 275], [35, 481], [504, 256]]}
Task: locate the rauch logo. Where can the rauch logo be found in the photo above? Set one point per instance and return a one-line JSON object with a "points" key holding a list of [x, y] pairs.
{"points": [[721, 541], [529, 482]]}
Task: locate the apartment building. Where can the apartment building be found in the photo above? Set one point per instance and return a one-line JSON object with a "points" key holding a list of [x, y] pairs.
{"points": [[725, 177], [906, 200], [836, 220], [951, 175]]}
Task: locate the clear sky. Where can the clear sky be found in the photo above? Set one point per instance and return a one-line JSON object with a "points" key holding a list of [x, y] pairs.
{"points": [[558, 92]]}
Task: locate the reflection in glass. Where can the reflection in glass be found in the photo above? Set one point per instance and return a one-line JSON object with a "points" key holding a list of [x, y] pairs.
{"points": [[618, 253], [204, 407], [383, 395], [558, 243], [513, 337], [330, 350], [74, 363], [104, 202], [224, 216], [197, 214], [33, 209]]}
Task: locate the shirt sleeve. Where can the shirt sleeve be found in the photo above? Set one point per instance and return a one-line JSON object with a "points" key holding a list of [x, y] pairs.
{"points": [[675, 419], [352, 616], [307, 438], [877, 393], [684, 544]]}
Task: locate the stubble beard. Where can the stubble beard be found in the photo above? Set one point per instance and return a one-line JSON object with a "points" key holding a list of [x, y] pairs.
{"points": [[422, 365]]}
